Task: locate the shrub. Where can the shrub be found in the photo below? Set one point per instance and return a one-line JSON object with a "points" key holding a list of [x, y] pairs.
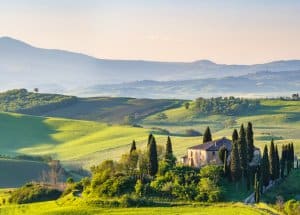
{"points": [[208, 191], [292, 207], [70, 180], [33, 193], [161, 116], [116, 186], [129, 201], [212, 172], [126, 201], [139, 188], [162, 131], [192, 133]]}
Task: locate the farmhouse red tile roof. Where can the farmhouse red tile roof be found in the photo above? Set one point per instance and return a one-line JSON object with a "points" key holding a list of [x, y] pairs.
{"points": [[214, 145]]}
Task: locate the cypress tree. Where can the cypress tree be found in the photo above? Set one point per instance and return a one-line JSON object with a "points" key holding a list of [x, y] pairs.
{"points": [[272, 161], [250, 142], [169, 157], [153, 160], [242, 147], [223, 155], [149, 139], [256, 188], [265, 168], [133, 146], [289, 158], [207, 135], [293, 152], [225, 163], [282, 162], [292, 155], [235, 166], [235, 136], [277, 163]]}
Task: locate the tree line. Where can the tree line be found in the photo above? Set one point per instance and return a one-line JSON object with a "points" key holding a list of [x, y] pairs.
{"points": [[153, 173], [227, 105], [272, 167]]}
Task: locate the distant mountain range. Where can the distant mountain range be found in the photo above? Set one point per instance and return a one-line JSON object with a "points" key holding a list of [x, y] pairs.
{"points": [[260, 84], [56, 71]]}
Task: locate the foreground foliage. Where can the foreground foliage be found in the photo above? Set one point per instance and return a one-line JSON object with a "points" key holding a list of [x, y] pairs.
{"points": [[33, 193]]}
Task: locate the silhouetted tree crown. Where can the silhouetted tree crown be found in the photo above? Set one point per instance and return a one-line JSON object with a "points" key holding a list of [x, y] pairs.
{"points": [[207, 135]]}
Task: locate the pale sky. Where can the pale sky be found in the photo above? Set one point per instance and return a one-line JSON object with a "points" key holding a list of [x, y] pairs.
{"points": [[228, 31]]}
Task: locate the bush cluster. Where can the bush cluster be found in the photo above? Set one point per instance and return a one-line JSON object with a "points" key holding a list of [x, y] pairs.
{"points": [[227, 105], [32, 192], [22, 101]]}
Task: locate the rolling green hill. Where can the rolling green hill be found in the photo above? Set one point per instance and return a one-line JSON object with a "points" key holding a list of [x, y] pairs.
{"points": [[82, 143], [76, 143], [275, 119], [18, 172], [104, 109]]}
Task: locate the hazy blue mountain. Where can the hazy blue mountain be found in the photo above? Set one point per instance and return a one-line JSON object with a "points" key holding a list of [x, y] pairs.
{"points": [[260, 84], [24, 66]]}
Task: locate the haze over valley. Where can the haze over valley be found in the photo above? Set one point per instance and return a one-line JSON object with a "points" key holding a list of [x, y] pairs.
{"points": [[57, 71]]}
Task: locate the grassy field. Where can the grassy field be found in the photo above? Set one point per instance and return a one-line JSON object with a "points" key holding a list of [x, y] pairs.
{"points": [[74, 142], [85, 143], [104, 109], [55, 207], [275, 119], [112, 110], [288, 189]]}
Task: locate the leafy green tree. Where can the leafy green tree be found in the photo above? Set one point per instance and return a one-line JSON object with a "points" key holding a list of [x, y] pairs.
{"points": [[139, 188], [272, 161], [70, 180], [153, 159], [212, 172], [128, 163], [207, 137], [265, 168], [187, 105], [133, 147], [209, 191], [250, 141]]}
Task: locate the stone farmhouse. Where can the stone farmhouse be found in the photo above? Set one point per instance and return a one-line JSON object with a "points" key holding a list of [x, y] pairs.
{"points": [[207, 153]]}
